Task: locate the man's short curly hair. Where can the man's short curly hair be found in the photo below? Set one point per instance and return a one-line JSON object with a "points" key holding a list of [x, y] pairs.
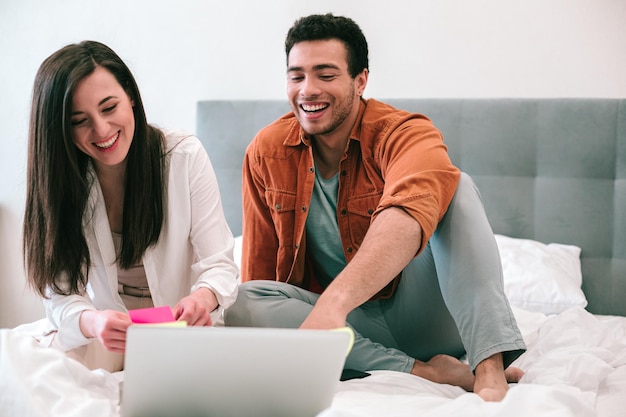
{"points": [[327, 26]]}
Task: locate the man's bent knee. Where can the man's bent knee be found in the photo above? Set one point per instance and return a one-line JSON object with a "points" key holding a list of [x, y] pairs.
{"points": [[240, 313]]}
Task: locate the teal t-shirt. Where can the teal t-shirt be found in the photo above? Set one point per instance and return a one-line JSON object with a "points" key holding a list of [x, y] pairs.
{"points": [[322, 232]]}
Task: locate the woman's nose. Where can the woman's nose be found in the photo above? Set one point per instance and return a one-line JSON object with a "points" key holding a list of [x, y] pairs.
{"points": [[100, 127]]}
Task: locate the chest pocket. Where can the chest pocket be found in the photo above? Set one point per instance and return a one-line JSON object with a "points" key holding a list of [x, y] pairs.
{"points": [[282, 206], [359, 211]]}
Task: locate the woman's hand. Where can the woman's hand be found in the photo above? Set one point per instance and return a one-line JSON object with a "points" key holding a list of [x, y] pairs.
{"points": [[108, 326], [196, 308]]}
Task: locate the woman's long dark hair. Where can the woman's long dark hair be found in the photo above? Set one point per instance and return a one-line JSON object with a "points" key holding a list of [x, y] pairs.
{"points": [[58, 182]]}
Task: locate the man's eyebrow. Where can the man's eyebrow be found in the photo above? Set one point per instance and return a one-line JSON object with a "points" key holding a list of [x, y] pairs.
{"points": [[104, 100], [315, 68]]}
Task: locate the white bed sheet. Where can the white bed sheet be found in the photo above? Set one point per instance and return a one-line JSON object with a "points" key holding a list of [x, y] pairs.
{"points": [[575, 366]]}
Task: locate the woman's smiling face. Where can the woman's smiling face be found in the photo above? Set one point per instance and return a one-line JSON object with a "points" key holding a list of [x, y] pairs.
{"points": [[103, 122]]}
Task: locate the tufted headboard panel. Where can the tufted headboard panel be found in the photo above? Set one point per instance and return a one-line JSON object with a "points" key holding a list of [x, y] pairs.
{"points": [[552, 170]]}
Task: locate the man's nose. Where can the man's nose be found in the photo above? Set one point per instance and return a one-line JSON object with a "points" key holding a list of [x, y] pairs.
{"points": [[310, 87]]}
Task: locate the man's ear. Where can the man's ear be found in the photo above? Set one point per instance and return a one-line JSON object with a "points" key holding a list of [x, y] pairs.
{"points": [[361, 81]]}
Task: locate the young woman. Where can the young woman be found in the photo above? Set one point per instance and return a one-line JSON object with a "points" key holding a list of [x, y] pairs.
{"points": [[119, 214]]}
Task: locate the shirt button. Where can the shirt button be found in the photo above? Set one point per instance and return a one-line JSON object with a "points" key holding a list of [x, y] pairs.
{"points": [[349, 249], [278, 207], [343, 173], [343, 212], [303, 208], [311, 170], [370, 211]]}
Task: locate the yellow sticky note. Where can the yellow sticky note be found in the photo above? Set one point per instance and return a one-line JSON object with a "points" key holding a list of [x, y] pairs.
{"points": [[181, 323]]}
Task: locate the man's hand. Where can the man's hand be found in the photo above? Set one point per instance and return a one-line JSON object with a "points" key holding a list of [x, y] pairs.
{"points": [[108, 326], [196, 308], [391, 242], [322, 317]]}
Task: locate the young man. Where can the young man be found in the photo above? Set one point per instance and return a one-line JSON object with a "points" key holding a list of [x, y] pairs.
{"points": [[353, 213]]}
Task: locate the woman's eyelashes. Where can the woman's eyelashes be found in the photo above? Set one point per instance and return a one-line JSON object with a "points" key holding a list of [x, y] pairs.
{"points": [[83, 121]]}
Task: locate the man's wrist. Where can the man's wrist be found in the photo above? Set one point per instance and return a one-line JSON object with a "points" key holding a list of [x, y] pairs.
{"points": [[335, 302]]}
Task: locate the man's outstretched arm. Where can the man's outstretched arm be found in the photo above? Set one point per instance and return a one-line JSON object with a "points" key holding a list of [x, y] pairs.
{"points": [[390, 244]]}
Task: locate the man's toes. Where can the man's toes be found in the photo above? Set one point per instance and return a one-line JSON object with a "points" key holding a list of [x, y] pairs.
{"points": [[513, 374]]}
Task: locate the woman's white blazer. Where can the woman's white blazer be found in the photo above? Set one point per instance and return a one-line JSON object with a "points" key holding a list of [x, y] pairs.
{"points": [[195, 248]]}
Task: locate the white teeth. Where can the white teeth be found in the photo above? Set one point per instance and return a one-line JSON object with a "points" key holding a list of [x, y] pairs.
{"points": [[313, 107], [108, 143]]}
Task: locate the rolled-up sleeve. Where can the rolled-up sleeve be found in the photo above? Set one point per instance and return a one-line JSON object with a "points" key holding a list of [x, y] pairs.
{"points": [[418, 173], [63, 312]]}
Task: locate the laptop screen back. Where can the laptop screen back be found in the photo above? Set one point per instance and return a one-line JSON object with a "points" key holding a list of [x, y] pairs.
{"points": [[230, 371]]}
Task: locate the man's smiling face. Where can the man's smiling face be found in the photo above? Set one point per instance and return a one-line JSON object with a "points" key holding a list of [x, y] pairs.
{"points": [[320, 89]]}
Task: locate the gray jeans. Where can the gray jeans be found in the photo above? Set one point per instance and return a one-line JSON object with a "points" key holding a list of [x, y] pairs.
{"points": [[450, 300]]}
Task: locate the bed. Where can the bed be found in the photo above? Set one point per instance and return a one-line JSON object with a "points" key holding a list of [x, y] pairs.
{"points": [[552, 174]]}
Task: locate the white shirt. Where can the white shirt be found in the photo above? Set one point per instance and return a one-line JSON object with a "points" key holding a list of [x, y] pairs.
{"points": [[195, 248]]}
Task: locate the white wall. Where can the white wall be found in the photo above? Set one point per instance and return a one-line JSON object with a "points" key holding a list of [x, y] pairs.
{"points": [[185, 51]]}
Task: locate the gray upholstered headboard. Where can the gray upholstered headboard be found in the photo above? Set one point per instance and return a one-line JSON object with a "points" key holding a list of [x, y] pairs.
{"points": [[552, 170]]}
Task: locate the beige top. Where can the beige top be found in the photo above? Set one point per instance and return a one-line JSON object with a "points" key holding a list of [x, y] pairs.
{"points": [[131, 282]]}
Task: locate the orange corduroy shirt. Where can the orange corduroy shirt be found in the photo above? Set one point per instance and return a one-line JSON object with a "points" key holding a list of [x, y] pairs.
{"points": [[393, 159]]}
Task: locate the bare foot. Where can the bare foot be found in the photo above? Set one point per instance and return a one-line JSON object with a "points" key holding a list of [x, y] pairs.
{"points": [[445, 369], [513, 374], [490, 382]]}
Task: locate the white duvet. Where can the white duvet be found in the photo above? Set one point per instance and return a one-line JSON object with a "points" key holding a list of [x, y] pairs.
{"points": [[575, 366]]}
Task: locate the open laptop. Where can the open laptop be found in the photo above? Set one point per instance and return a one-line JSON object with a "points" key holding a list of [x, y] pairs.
{"points": [[230, 371]]}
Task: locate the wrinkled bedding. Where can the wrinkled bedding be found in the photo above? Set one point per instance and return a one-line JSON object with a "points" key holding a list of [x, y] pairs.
{"points": [[575, 366]]}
